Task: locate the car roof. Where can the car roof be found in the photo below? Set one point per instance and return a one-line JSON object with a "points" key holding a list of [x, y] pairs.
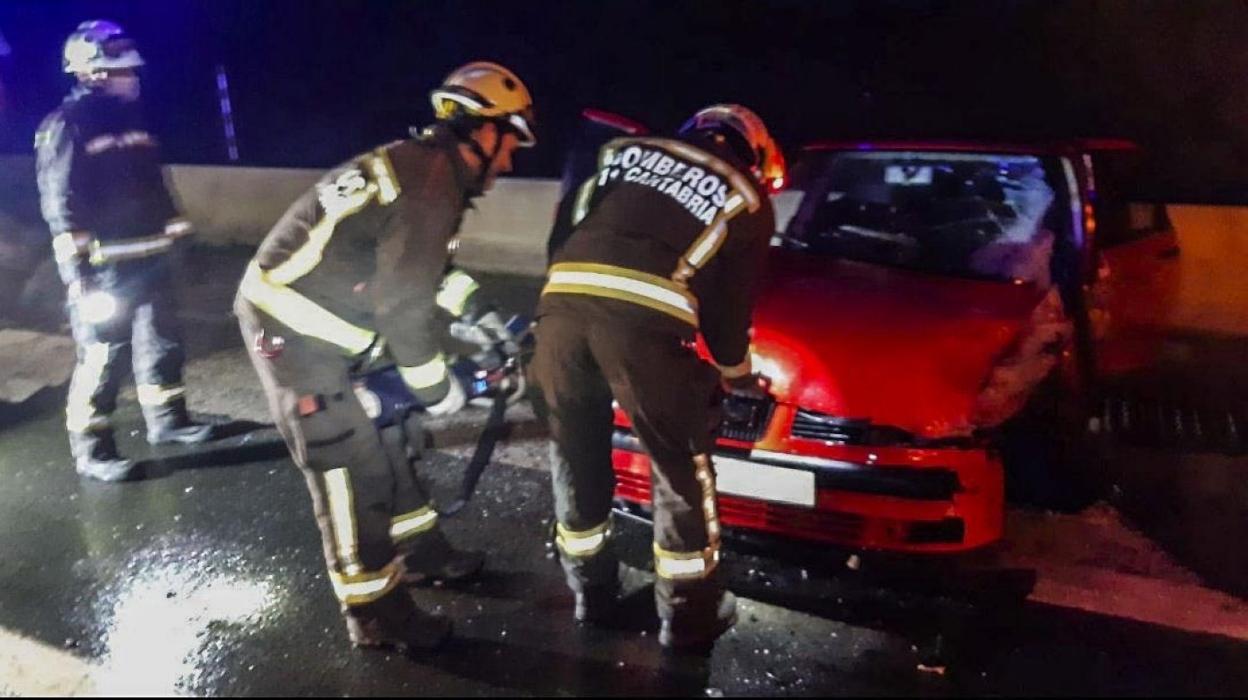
{"points": [[1063, 147]]}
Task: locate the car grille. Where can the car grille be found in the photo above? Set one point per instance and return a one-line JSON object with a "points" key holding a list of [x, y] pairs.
{"points": [[857, 431], [817, 426], [745, 418]]}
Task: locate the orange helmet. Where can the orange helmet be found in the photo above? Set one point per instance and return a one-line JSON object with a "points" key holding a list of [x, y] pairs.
{"points": [[489, 91], [768, 162]]}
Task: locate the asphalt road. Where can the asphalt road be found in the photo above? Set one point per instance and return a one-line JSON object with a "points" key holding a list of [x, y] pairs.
{"points": [[207, 578]]}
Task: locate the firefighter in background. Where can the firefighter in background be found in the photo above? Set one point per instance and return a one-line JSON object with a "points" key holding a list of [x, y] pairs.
{"points": [[668, 240], [355, 271], [113, 222]]}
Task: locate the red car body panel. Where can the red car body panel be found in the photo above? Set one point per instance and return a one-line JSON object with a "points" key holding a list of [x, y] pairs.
{"points": [[900, 348], [907, 350]]}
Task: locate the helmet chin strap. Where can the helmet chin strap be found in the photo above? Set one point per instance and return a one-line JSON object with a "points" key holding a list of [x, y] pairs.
{"points": [[486, 159]]}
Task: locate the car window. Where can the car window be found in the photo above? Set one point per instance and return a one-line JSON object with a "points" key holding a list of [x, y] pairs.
{"points": [[985, 216]]}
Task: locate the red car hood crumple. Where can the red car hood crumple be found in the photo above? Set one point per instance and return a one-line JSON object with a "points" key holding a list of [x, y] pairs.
{"points": [[899, 348]]}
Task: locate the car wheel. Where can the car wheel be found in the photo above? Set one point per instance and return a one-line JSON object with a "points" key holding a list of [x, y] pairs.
{"points": [[1051, 460]]}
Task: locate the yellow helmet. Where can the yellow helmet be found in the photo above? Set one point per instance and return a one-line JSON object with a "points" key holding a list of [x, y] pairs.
{"points": [[489, 91], [768, 166]]}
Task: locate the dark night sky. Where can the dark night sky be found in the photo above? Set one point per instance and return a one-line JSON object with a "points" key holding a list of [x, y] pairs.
{"points": [[315, 80]]}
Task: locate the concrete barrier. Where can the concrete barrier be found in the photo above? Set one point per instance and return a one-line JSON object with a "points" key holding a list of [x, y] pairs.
{"points": [[507, 233], [237, 206]]}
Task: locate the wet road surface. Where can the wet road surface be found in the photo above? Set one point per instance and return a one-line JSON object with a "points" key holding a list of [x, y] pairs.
{"points": [[207, 578]]}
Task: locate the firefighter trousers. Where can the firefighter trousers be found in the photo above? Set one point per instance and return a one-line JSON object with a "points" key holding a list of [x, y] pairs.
{"points": [[367, 501], [143, 328], [672, 399]]}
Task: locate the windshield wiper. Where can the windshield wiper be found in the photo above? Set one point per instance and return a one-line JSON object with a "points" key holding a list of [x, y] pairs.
{"points": [[898, 238]]}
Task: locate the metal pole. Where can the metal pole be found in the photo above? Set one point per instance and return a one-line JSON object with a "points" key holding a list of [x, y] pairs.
{"points": [[227, 113]]}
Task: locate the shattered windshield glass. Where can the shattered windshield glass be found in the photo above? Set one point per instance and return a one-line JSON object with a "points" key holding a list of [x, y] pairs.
{"points": [[983, 216]]}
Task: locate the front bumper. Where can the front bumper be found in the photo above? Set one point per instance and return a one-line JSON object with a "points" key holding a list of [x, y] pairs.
{"points": [[887, 499]]}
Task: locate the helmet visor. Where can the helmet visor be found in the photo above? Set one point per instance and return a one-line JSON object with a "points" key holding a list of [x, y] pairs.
{"points": [[522, 124], [117, 48]]}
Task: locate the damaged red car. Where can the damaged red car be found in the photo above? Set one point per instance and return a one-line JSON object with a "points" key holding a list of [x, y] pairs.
{"points": [[927, 325]]}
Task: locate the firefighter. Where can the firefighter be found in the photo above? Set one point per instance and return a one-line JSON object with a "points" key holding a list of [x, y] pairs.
{"points": [[668, 240], [353, 272], [114, 223]]}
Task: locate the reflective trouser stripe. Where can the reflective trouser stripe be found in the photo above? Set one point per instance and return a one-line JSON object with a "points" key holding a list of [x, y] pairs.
{"points": [[301, 314], [80, 411], [342, 518], [455, 291], [366, 587], [426, 375], [685, 565], [158, 394], [699, 564], [582, 543], [623, 284], [413, 523], [94, 424], [710, 510]]}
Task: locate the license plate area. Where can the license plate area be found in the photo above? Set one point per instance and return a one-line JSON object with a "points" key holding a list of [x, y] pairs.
{"points": [[764, 482]]}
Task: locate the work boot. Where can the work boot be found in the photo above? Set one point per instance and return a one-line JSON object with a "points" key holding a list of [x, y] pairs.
{"points": [[170, 423], [429, 557], [597, 605], [95, 457], [394, 622], [697, 633]]}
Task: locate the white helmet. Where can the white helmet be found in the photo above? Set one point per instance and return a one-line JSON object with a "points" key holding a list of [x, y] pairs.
{"points": [[100, 45], [768, 162]]}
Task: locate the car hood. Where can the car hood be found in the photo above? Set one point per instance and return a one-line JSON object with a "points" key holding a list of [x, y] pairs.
{"points": [[896, 347]]}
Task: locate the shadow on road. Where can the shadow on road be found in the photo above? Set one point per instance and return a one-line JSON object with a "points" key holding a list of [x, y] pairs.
{"points": [[237, 443], [529, 668]]}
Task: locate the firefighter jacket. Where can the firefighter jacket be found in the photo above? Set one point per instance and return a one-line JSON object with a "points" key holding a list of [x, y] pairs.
{"points": [[361, 259], [675, 236], [101, 187]]}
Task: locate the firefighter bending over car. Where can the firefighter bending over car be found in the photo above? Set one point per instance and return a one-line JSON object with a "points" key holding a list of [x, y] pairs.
{"points": [[114, 224], [668, 241], [351, 276]]}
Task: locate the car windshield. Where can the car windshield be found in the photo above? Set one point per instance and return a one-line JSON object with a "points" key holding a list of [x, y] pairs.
{"points": [[983, 216]]}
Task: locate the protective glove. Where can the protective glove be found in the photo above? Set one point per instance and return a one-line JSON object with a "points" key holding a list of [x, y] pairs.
{"points": [[489, 329], [751, 386], [454, 400], [465, 385]]}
